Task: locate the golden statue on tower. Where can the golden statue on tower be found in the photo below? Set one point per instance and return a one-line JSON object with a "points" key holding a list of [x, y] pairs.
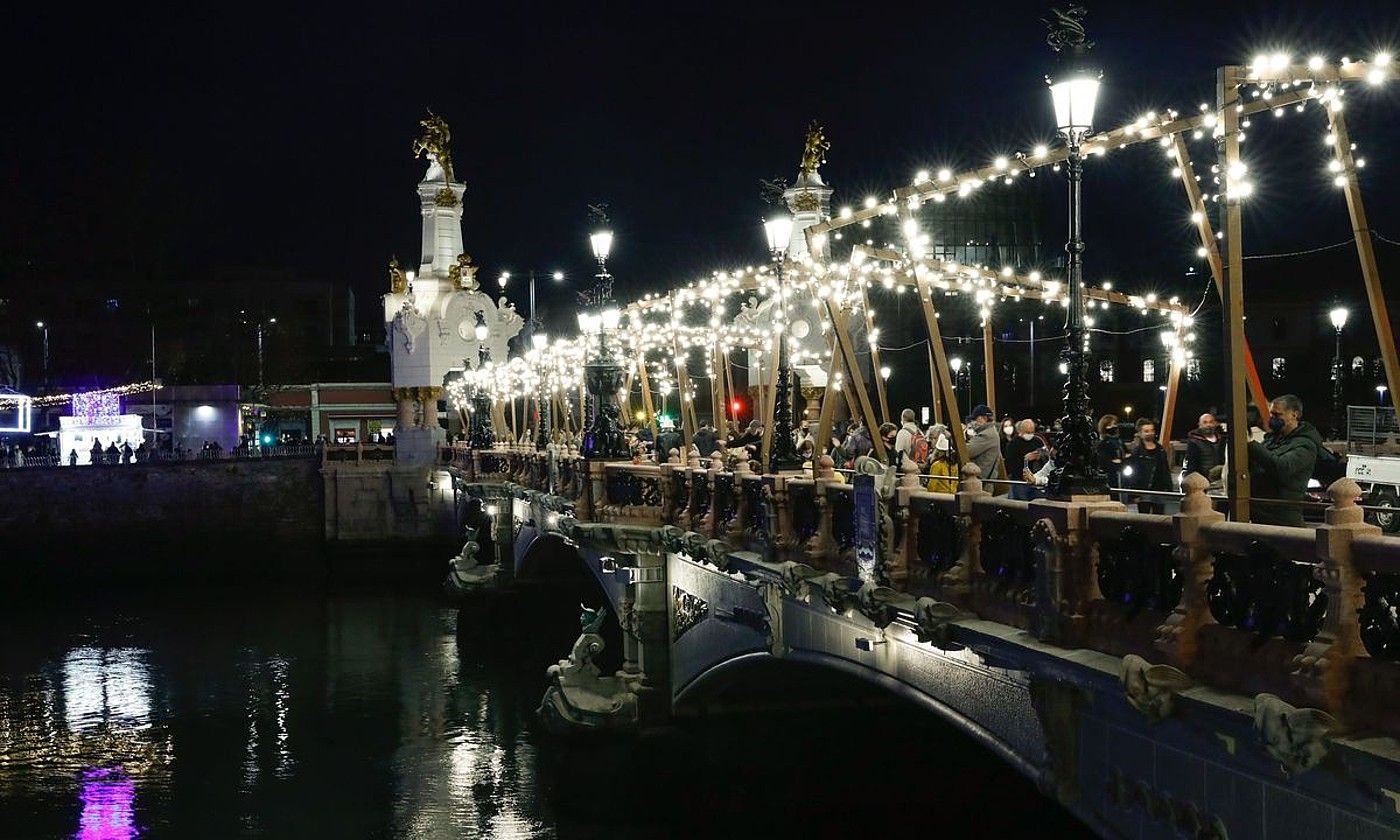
{"points": [[814, 152], [398, 281], [435, 143]]}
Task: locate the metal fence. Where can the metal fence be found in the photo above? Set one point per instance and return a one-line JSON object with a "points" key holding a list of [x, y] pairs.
{"points": [[1371, 425]]}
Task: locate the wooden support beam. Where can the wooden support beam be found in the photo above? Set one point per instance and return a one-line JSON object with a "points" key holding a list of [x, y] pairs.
{"points": [[1209, 242], [989, 364], [1164, 434], [823, 442], [718, 392], [1365, 249], [647, 405], [730, 390], [687, 405], [874, 356], [933, 387], [1232, 298], [840, 328], [940, 366]]}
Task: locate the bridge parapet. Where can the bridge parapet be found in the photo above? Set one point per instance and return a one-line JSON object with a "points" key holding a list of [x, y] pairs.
{"points": [[1304, 614]]}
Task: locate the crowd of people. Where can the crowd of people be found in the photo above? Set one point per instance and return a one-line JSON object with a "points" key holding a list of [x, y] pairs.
{"points": [[1017, 457]]}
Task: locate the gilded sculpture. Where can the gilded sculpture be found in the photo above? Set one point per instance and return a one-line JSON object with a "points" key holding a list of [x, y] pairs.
{"points": [[436, 143], [462, 274], [398, 281], [814, 152]]}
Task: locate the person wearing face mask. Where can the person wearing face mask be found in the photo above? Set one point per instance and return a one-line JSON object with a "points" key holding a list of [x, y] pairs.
{"points": [[1024, 445], [1205, 449], [984, 444], [1147, 461], [1008, 430], [1281, 466]]}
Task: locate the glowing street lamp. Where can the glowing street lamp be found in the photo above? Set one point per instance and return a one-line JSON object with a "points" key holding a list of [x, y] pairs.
{"points": [[1338, 316], [1074, 90]]}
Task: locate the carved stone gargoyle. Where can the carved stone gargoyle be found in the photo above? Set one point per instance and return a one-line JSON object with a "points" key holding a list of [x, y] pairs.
{"points": [[931, 619], [840, 593], [1296, 737], [1151, 689], [881, 604], [796, 577]]}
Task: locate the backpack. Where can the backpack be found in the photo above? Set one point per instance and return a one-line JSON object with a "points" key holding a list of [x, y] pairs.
{"points": [[918, 447]]}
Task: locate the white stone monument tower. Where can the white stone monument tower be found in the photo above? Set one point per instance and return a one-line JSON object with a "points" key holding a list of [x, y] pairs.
{"points": [[809, 201], [437, 319]]}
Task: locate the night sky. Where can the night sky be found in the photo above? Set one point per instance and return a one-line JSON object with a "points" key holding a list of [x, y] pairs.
{"points": [[145, 145]]}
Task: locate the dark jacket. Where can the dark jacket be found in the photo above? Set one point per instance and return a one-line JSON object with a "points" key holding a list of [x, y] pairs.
{"points": [[706, 441], [1110, 449], [1202, 454], [1150, 468], [1279, 468], [668, 439], [1016, 452]]}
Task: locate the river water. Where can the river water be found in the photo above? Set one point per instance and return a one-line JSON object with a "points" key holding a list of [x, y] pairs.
{"points": [[320, 714]]}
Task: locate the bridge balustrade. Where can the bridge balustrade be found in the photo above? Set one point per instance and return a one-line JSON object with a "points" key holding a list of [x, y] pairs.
{"points": [[1308, 614]]}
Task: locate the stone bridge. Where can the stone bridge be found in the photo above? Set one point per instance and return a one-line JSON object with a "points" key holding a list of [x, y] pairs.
{"points": [[1160, 675]]}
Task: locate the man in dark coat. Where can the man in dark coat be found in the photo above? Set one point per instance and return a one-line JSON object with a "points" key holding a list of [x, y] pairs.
{"points": [[1205, 448], [705, 441], [1281, 466]]}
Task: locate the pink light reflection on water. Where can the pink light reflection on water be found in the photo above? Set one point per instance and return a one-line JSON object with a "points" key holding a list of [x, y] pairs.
{"points": [[108, 795]]}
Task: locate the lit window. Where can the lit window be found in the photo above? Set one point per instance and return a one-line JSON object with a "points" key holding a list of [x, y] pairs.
{"points": [[1105, 371], [1193, 370], [1149, 370], [1280, 367], [1358, 366]]}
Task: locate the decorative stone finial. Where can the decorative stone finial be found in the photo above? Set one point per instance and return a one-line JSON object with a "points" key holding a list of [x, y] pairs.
{"points": [[1195, 501], [971, 479], [910, 470], [1344, 510]]}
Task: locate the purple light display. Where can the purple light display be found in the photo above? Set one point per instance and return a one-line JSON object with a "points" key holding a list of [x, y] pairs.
{"points": [[97, 408], [108, 796]]}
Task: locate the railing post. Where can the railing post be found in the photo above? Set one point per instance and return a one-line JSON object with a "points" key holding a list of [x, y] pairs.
{"points": [[897, 561], [1178, 637], [819, 546], [959, 578], [1322, 672]]}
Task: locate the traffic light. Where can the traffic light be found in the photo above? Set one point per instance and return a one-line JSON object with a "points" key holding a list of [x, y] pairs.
{"points": [[736, 407]]}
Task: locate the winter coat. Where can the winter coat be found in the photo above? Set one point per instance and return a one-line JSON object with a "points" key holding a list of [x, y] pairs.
{"points": [[1279, 469], [1150, 469], [984, 450], [1110, 449], [1203, 454], [706, 441], [943, 476]]}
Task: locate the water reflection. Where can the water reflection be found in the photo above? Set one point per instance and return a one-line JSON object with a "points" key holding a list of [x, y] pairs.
{"points": [[108, 796], [106, 687]]}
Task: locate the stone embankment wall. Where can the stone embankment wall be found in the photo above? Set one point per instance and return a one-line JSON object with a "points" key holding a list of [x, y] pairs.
{"points": [[277, 499]]}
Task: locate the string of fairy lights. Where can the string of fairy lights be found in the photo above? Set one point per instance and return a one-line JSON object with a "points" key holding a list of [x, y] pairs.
{"points": [[751, 307]]}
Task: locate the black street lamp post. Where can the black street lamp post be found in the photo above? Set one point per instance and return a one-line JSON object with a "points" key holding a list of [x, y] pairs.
{"points": [[1074, 89], [782, 452], [603, 440]]}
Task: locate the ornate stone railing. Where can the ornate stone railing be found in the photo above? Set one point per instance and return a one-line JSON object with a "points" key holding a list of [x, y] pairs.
{"points": [[1307, 614]]}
